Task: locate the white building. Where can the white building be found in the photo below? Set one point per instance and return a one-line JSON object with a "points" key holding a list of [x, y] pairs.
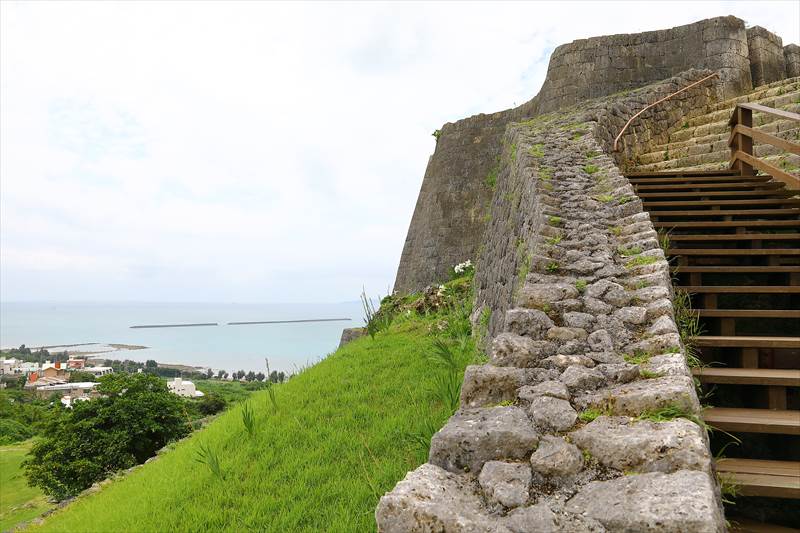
{"points": [[184, 388], [98, 371], [9, 366]]}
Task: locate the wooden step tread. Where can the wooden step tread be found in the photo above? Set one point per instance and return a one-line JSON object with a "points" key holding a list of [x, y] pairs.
{"points": [[728, 224], [748, 313], [753, 420], [710, 269], [733, 251], [686, 173], [680, 180], [745, 341], [742, 289], [708, 203], [758, 477], [767, 195], [786, 211], [745, 525], [737, 237], [748, 376], [732, 185]]}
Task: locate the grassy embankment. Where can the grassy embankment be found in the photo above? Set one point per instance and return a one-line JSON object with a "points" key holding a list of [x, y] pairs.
{"points": [[18, 501], [344, 432]]}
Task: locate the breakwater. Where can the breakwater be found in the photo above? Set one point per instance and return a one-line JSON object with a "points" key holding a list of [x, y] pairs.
{"points": [[248, 323]]}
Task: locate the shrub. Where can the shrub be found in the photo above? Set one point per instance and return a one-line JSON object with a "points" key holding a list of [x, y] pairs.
{"points": [[211, 404], [12, 431]]}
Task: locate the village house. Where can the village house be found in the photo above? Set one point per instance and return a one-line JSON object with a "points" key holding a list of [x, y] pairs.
{"points": [[184, 388], [74, 390]]}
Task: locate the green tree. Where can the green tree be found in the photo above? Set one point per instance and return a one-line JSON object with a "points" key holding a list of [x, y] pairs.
{"points": [[79, 376], [136, 416], [211, 404]]}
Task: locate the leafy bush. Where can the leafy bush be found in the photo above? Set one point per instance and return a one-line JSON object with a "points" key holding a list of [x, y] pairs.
{"points": [[12, 431], [211, 404], [136, 416]]}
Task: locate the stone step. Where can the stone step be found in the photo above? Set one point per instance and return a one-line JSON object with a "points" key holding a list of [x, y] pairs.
{"points": [[788, 130], [722, 126], [775, 88], [788, 162], [775, 128], [701, 154], [724, 114]]}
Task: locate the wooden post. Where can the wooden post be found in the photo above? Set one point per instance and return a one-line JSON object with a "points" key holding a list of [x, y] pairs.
{"points": [[743, 142]]}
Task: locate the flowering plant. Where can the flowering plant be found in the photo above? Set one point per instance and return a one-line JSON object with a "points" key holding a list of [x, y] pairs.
{"points": [[463, 268]]}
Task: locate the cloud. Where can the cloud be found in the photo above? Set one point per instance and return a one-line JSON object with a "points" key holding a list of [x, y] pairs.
{"points": [[254, 151]]}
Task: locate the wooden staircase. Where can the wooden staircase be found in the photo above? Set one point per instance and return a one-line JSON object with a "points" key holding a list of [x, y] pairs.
{"points": [[733, 245]]}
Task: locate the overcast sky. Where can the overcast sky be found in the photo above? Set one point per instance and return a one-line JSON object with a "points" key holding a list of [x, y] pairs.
{"points": [[255, 152]]}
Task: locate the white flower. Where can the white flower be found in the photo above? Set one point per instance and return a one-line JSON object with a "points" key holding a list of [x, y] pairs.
{"points": [[462, 267]]}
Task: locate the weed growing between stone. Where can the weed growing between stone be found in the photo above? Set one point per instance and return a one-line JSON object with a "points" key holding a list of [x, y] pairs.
{"points": [[641, 261]]}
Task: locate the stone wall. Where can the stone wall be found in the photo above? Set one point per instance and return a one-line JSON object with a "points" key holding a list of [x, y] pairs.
{"points": [[551, 429], [451, 210], [791, 56], [767, 63], [590, 68], [452, 204], [505, 253]]}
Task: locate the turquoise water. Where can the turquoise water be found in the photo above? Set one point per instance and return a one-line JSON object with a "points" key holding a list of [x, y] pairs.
{"points": [[288, 346]]}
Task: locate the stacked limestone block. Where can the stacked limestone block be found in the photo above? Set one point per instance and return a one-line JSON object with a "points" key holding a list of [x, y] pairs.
{"points": [[767, 63], [592, 334], [791, 57]]}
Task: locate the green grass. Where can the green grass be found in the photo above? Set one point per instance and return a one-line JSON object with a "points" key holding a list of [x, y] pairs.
{"points": [[18, 501], [627, 252], [345, 432], [591, 168], [641, 261], [537, 150]]}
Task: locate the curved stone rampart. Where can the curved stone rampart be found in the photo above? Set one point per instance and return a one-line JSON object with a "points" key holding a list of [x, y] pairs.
{"points": [[583, 418], [451, 211]]}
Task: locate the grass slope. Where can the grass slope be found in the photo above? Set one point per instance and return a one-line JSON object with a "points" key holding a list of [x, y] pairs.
{"points": [[346, 430], [18, 501]]}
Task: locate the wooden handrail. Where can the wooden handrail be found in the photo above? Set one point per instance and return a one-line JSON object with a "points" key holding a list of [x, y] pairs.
{"points": [[743, 135], [698, 82]]}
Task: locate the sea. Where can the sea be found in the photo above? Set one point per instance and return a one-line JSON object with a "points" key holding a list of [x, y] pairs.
{"points": [[288, 346]]}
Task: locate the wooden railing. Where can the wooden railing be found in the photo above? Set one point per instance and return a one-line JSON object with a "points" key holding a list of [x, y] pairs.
{"points": [[679, 91], [743, 135]]}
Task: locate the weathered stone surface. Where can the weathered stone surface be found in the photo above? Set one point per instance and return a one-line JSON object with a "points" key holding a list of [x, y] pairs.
{"points": [[509, 349], [534, 519], [667, 364], [609, 292], [767, 62], [578, 378], [682, 502], [663, 325], [601, 341], [556, 458], [351, 334], [643, 446], [631, 315], [489, 385], [432, 499], [635, 398], [576, 319], [791, 55], [539, 295], [619, 372], [552, 414], [505, 483], [563, 334], [529, 322], [552, 388], [474, 436], [563, 361]]}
